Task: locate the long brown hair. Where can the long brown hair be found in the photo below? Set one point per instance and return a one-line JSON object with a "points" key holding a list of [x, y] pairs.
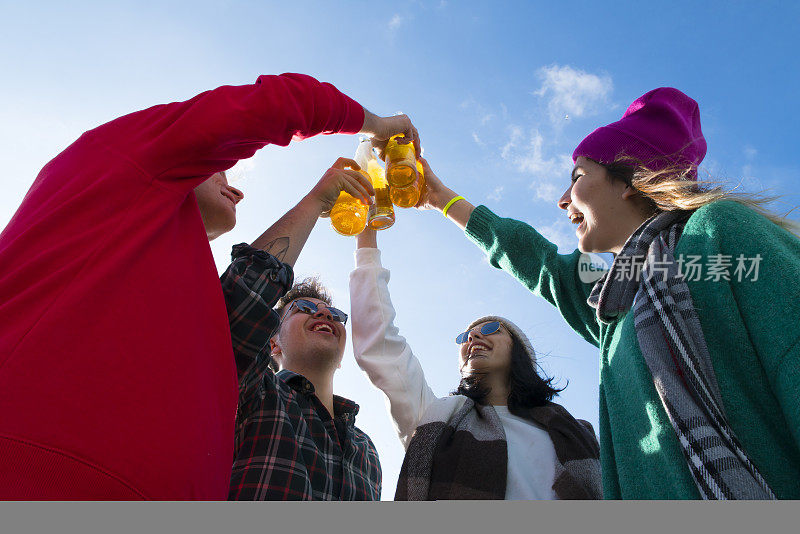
{"points": [[674, 188]]}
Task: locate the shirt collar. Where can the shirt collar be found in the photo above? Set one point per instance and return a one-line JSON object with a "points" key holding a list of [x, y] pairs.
{"points": [[342, 406]]}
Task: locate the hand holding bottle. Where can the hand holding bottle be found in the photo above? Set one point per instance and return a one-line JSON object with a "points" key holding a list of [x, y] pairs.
{"points": [[435, 194], [336, 180], [380, 129]]}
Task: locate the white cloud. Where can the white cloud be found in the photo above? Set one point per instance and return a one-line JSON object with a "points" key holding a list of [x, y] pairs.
{"points": [[568, 93], [395, 23], [572, 92], [549, 173], [546, 190], [515, 137], [482, 115], [497, 194], [561, 233], [748, 172], [241, 170], [533, 161]]}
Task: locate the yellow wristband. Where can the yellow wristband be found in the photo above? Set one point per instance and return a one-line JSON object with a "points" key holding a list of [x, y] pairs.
{"points": [[447, 206]]}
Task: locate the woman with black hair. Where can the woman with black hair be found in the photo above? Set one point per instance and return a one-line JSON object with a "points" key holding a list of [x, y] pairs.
{"points": [[696, 320], [498, 436]]}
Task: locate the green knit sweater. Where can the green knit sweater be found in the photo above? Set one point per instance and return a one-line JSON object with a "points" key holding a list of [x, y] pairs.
{"points": [[752, 328]]}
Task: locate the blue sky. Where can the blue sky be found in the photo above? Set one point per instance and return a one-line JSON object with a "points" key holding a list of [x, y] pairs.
{"points": [[501, 93]]}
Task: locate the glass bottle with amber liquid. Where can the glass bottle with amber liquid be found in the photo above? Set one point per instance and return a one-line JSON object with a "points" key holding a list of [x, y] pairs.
{"points": [[403, 172], [381, 213], [349, 214]]}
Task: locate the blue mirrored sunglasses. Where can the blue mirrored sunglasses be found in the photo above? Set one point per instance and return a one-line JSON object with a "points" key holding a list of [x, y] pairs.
{"points": [[309, 307], [488, 328]]}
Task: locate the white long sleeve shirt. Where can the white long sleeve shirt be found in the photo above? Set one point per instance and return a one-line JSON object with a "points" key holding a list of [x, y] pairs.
{"points": [[391, 366]]}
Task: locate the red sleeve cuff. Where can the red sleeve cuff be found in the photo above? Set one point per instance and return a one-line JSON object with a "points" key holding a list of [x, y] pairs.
{"points": [[354, 116]]}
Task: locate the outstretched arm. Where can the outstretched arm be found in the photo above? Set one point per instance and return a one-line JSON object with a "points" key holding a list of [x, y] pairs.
{"points": [[379, 348], [521, 251], [185, 142], [262, 273], [286, 238]]}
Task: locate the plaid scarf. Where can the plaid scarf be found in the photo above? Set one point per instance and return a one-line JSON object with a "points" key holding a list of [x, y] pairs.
{"points": [[459, 451], [646, 276]]}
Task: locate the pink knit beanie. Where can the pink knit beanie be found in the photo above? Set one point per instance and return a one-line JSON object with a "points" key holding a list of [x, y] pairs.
{"points": [[659, 129]]}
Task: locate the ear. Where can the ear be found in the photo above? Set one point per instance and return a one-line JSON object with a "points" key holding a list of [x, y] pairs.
{"points": [[274, 346], [629, 192]]}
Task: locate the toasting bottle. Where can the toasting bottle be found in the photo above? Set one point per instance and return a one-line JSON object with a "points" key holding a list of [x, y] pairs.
{"points": [[349, 214], [381, 212], [403, 172]]}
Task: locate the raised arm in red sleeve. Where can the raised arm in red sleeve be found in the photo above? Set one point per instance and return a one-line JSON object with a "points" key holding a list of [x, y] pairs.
{"points": [[215, 129], [117, 378]]}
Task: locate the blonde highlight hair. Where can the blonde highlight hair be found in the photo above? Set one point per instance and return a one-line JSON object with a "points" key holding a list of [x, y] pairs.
{"points": [[675, 188]]}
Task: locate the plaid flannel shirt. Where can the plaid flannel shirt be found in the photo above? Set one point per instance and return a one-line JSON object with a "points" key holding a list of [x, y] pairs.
{"points": [[287, 447]]}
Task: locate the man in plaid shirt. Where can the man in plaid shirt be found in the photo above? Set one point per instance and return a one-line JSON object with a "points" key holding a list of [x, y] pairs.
{"points": [[295, 439]]}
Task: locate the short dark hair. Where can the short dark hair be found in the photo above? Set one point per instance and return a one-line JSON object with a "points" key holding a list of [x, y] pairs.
{"points": [[309, 287], [526, 388]]}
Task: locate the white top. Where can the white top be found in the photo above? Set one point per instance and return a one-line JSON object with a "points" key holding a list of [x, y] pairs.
{"points": [[390, 364], [531, 459]]}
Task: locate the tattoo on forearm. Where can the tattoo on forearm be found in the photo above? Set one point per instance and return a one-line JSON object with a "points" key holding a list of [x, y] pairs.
{"points": [[278, 247]]}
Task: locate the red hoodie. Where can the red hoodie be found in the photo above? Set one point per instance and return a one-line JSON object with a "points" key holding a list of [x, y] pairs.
{"points": [[117, 377]]}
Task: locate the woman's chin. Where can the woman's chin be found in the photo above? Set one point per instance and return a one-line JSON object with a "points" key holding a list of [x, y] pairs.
{"points": [[475, 370], [587, 246]]}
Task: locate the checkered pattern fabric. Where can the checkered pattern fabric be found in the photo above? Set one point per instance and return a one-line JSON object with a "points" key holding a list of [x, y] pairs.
{"points": [[287, 445]]}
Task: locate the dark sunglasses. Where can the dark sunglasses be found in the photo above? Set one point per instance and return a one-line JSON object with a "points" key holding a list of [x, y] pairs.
{"points": [[488, 328], [309, 307]]}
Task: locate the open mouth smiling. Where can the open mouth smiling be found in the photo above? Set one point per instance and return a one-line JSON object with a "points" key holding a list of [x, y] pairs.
{"points": [[476, 350], [576, 218], [323, 326]]}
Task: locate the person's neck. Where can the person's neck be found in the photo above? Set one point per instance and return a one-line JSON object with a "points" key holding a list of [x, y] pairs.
{"points": [[322, 379], [628, 227], [498, 394]]}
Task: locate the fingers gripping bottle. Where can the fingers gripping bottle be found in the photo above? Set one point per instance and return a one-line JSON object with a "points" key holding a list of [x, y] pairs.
{"points": [[403, 172], [349, 214], [381, 212]]}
